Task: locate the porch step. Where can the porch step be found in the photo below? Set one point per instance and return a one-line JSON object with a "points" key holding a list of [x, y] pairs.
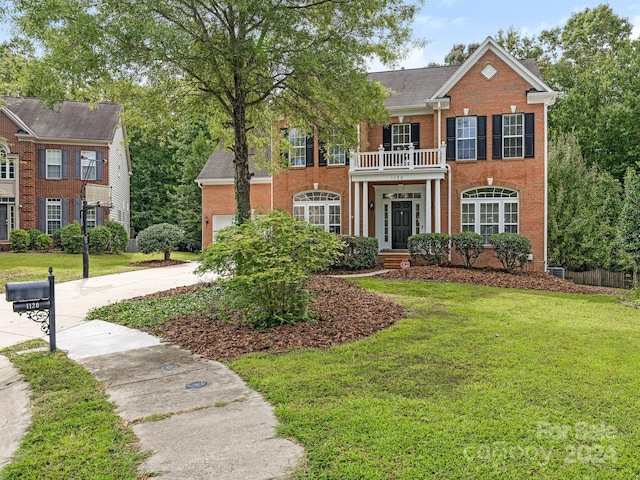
{"points": [[393, 259]]}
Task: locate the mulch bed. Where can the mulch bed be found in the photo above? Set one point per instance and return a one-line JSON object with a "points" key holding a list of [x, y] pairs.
{"points": [[346, 313]]}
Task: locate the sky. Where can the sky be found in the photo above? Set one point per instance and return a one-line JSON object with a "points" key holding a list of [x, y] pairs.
{"points": [[447, 22]]}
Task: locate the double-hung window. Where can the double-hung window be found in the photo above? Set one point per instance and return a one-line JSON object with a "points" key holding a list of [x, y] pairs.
{"points": [[7, 167], [490, 210], [467, 138], [513, 135], [54, 215], [298, 147], [318, 208], [401, 136], [466, 131], [88, 159], [337, 152], [54, 164]]}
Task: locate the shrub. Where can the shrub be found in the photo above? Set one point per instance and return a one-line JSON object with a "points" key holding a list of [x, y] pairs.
{"points": [[469, 245], [265, 265], [160, 238], [119, 237], [71, 238], [511, 249], [43, 242], [20, 240], [431, 248], [33, 235], [99, 239], [358, 253], [57, 243]]}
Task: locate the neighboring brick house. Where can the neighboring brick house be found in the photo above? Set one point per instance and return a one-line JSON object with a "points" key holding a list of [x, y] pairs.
{"points": [[47, 155], [466, 150]]}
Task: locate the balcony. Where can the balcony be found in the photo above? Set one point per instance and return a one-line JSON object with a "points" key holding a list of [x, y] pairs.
{"points": [[399, 160]]}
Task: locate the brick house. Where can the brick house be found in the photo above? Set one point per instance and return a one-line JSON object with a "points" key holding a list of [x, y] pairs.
{"points": [[48, 156], [466, 150]]}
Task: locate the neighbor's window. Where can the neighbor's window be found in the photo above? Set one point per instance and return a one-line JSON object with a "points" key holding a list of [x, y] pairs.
{"points": [[88, 159], [466, 135], [318, 208], [490, 210], [54, 215], [54, 164]]}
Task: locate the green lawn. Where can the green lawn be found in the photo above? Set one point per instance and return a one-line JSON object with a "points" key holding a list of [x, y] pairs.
{"points": [[478, 382], [26, 267]]}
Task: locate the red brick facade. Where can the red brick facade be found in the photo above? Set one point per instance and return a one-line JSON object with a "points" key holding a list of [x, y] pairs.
{"points": [[500, 89]]}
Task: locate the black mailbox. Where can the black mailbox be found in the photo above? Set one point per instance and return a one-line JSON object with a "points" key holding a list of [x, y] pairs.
{"points": [[25, 291]]}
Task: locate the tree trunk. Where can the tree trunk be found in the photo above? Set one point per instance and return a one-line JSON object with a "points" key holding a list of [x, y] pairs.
{"points": [[242, 177]]}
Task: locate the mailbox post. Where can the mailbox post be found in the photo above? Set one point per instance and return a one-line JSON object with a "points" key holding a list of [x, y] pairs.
{"points": [[37, 299]]}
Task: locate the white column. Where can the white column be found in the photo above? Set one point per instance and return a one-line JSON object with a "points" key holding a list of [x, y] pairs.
{"points": [[356, 210], [428, 214], [437, 206], [365, 209]]}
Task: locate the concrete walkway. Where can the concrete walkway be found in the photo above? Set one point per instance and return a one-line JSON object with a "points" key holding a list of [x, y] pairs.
{"points": [[212, 426]]}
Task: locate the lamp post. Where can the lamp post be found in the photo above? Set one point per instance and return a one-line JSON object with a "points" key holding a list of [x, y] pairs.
{"points": [[85, 209]]}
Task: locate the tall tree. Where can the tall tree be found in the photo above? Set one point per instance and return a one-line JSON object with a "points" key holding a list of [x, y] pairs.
{"points": [[253, 61], [630, 216], [595, 64], [584, 204], [459, 53]]}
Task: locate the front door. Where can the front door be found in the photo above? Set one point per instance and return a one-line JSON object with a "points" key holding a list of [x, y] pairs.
{"points": [[400, 224], [4, 223]]}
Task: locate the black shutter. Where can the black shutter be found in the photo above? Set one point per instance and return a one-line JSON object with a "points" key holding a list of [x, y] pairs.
{"points": [[99, 216], [482, 138], [284, 154], [497, 137], [99, 166], [42, 215], [529, 149], [386, 137], [65, 165], [347, 156], [309, 152], [42, 163], [77, 165], [322, 154], [65, 211], [415, 135], [451, 138], [77, 210]]}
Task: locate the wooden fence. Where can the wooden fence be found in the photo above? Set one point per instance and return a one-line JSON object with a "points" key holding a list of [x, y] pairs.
{"points": [[602, 278]]}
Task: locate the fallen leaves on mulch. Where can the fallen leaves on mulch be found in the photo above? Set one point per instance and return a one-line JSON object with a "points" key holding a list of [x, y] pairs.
{"points": [[346, 313], [496, 278]]}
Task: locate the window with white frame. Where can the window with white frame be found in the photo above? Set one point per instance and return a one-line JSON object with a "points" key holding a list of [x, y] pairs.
{"points": [[88, 159], [298, 147], [7, 167], [54, 164], [337, 152], [466, 138], [54, 215], [490, 210], [91, 217], [513, 135], [318, 208], [401, 136]]}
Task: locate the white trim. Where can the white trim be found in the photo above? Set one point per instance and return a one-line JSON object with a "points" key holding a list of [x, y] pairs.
{"points": [[546, 188], [356, 208], [17, 120], [380, 201], [546, 98], [490, 45], [230, 181], [365, 209]]}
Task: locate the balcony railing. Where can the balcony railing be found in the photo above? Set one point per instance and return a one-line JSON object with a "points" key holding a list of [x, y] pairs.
{"points": [[409, 159]]}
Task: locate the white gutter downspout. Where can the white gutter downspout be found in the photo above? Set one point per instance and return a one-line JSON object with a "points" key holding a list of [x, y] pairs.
{"points": [[448, 168], [546, 186]]}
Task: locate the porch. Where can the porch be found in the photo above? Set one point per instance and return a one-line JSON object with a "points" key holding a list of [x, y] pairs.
{"points": [[398, 160]]}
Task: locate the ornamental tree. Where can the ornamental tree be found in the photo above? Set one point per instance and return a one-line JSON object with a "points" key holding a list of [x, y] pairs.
{"points": [[243, 63]]}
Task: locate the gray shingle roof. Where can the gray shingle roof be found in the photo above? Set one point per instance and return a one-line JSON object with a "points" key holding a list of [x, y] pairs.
{"points": [[412, 87], [67, 121], [220, 166]]}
